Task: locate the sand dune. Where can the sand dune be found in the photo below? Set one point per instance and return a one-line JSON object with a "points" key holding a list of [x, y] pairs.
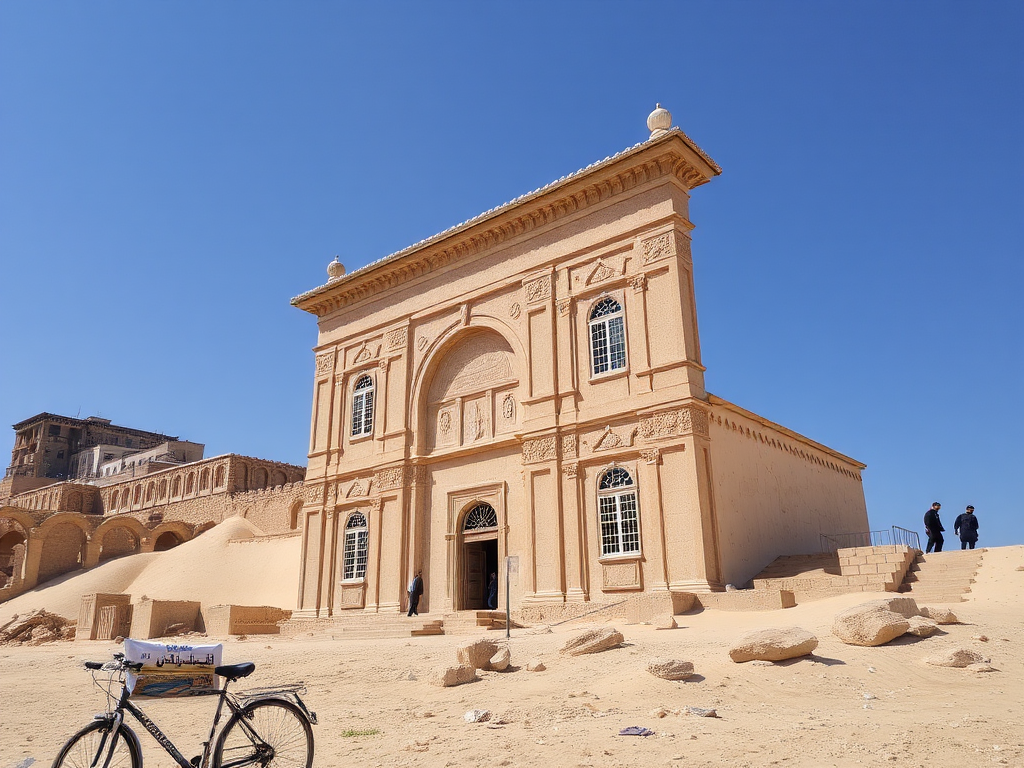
{"points": [[224, 565]]}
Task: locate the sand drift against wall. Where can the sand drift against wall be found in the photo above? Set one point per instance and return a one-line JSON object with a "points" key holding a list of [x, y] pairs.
{"points": [[211, 568]]}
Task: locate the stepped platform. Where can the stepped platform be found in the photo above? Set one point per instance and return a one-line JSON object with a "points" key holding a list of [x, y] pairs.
{"points": [[942, 577], [362, 626], [853, 569], [473, 622]]}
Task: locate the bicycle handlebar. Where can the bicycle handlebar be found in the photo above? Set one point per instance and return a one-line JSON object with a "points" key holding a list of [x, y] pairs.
{"points": [[118, 662]]}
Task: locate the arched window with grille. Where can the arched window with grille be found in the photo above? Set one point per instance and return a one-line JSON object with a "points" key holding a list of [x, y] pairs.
{"points": [[617, 509], [362, 406], [480, 518], [607, 337], [356, 543]]}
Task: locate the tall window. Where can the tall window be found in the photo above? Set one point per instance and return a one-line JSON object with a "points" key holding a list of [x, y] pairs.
{"points": [[355, 547], [607, 337], [362, 407], [616, 502]]}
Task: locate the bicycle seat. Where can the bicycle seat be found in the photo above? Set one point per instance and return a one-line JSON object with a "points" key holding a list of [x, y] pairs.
{"points": [[235, 671]]}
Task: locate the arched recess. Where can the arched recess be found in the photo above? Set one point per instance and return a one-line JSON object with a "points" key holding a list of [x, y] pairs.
{"points": [[470, 388], [169, 535], [63, 548], [13, 542], [120, 536], [477, 536], [295, 515], [259, 479]]}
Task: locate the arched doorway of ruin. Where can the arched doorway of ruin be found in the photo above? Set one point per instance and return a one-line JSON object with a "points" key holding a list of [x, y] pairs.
{"points": [[63, 550], [166, 540], [12, 556]]}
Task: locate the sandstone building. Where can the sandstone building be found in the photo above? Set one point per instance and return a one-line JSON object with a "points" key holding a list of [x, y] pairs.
{"points": [[528, 385]]}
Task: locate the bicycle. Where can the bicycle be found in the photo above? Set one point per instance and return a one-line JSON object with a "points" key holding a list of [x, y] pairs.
{"points": [[267, 726]]}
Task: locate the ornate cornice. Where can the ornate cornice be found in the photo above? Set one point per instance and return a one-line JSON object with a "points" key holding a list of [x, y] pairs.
{"points": [[523, 215]]}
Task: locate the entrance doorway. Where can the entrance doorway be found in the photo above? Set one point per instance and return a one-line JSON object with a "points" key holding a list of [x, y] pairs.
{"points": [[481, 560]]}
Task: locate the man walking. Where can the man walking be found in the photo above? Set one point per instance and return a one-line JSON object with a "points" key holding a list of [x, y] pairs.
{"points": [[966, 526], [933, 527], [415, 590]]}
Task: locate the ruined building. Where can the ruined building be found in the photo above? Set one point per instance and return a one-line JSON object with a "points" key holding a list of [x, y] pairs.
{"points": [[528, 385]]}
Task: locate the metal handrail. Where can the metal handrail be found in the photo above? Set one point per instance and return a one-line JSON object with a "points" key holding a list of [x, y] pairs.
{"points": [[832, 542], [906, 537]]}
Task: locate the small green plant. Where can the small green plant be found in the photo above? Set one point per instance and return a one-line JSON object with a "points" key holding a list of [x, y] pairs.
{"points": [[350, 732]]}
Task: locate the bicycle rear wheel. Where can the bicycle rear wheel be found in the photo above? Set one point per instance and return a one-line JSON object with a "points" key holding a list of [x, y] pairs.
{"points": [[271, 732], [89, 747]]}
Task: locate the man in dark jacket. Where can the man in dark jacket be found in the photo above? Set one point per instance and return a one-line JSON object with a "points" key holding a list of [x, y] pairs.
{"points": [[933, 527], [415, 590], [966, 526]]}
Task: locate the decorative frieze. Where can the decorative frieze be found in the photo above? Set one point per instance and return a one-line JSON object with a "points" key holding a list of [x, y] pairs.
{"points": [[564, 306], [396, 339], [599, 273], [514, 311], [651, 455], [325, 363], [656, 248], [539, 449], [314, 493], [610, 439], [570, 446], [538, 290], [638, 283], [392, 478], [681, 421], [571, 469]]}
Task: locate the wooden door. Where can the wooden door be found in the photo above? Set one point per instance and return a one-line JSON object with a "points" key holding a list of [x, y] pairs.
{"points": [[476, 581]]}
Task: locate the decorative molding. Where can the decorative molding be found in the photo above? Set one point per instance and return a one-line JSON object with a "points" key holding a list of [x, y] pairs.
{"points": [[571, 470], [620, 576], [313, 493], [464, 315], [405, 476], [366, 352], [514, 311], [599, 273], [639, 283], [376, 505], [651, 455], [324, 363], [330, 513], [538, 290], [508, 407], [682, 421], [610, 439], [655, 248], [539, 449], [358, 488], [397, 338], [383, 364], [570, 446], [563, 306], [421, 343]]}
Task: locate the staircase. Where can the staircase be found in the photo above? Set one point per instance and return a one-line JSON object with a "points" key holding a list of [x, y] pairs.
{"points": [[942, 577], [363, 626], [473, 622]]}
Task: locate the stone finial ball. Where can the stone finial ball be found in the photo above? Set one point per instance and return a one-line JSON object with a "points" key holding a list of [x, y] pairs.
{"points": [[335, 269], [659, 121]]}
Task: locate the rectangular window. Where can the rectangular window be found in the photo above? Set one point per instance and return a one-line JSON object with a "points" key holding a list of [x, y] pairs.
{"points": [[617, 345], [355, 554], [54, 430], [599, 346]]}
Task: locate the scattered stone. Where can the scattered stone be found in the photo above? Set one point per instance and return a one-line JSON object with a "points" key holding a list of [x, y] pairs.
{"points": [[871, 669], [477, 716], [670, 669], [869, 625], [980, 638], [700, 711], [870, 696], [980, 667], [904, 606], [957, 657], [477, 653], [661, 712], [774, 644], [543, 629], [501, 660], [922, 627], [665, 622], [417, 746], [446, 677], [535, 665], [940, 615], [1020, 567], [762, 663], [593, 641], [36, 628]]}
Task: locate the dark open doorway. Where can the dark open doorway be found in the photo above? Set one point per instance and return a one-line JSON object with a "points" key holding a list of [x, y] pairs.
{"points": [[480, 561]]}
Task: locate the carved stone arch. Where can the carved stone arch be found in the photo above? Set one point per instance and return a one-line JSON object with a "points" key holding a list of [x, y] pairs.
{"points": [[220, 476], [137, 494], [22, 519], [62, 518], [295, 515], [169, 535], [64, 540], [278, 478], [120, 536], [190, 483], [452, 349], [176, 486]]}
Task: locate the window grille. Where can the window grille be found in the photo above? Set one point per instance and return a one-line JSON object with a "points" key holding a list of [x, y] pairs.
{"points": [[479, 517], [607, 337], [362, 407], [356, 544], [617, 508]]}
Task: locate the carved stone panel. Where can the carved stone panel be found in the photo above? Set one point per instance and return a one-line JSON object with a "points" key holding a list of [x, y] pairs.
{"points": [[609, 439], [656, 248], [620, 577], [314, 493], [476, 420], [324, 363], [569, 446], [539, 449], [682, 421], [397, 338], [538, 290]]}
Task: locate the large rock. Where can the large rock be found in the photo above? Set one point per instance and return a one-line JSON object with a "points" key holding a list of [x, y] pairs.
{"points": [[670, 669], [446, 677], [535, 665], [501, 660], [775, 644], [904, 606], [593, 641], [922, 627], [869, 625], [940, 615], [957, 657], [477, 653]]}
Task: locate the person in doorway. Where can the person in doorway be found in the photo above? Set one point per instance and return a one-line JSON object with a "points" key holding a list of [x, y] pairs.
{"points": [[492, 592], [933, 527], [966, 527], [415, 590]]}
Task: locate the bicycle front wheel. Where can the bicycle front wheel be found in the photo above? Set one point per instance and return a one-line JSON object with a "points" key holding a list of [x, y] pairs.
{"points": [[90, 746], [272, 732]]}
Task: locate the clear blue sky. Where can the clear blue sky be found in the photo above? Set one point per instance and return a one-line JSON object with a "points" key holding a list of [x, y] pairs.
{"points": [[171, 174]]}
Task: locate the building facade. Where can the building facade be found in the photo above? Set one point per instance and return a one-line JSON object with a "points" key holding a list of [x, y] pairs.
{"points": [[528, 385]]}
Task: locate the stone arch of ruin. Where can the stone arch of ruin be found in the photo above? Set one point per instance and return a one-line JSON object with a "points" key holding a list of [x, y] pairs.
{"points": [[119, 536], [169, 535]]}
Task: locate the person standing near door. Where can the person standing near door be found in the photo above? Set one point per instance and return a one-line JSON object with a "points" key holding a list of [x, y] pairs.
{"points": [[933, 527], [966, 526], [415, 590], [492, 592]]}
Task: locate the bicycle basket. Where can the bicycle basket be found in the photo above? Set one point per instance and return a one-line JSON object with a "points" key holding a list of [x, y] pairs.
{"points": [[172, 670]]}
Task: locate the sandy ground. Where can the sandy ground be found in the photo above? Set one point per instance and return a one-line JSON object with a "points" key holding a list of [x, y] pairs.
{"points": [[844, 706]]}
